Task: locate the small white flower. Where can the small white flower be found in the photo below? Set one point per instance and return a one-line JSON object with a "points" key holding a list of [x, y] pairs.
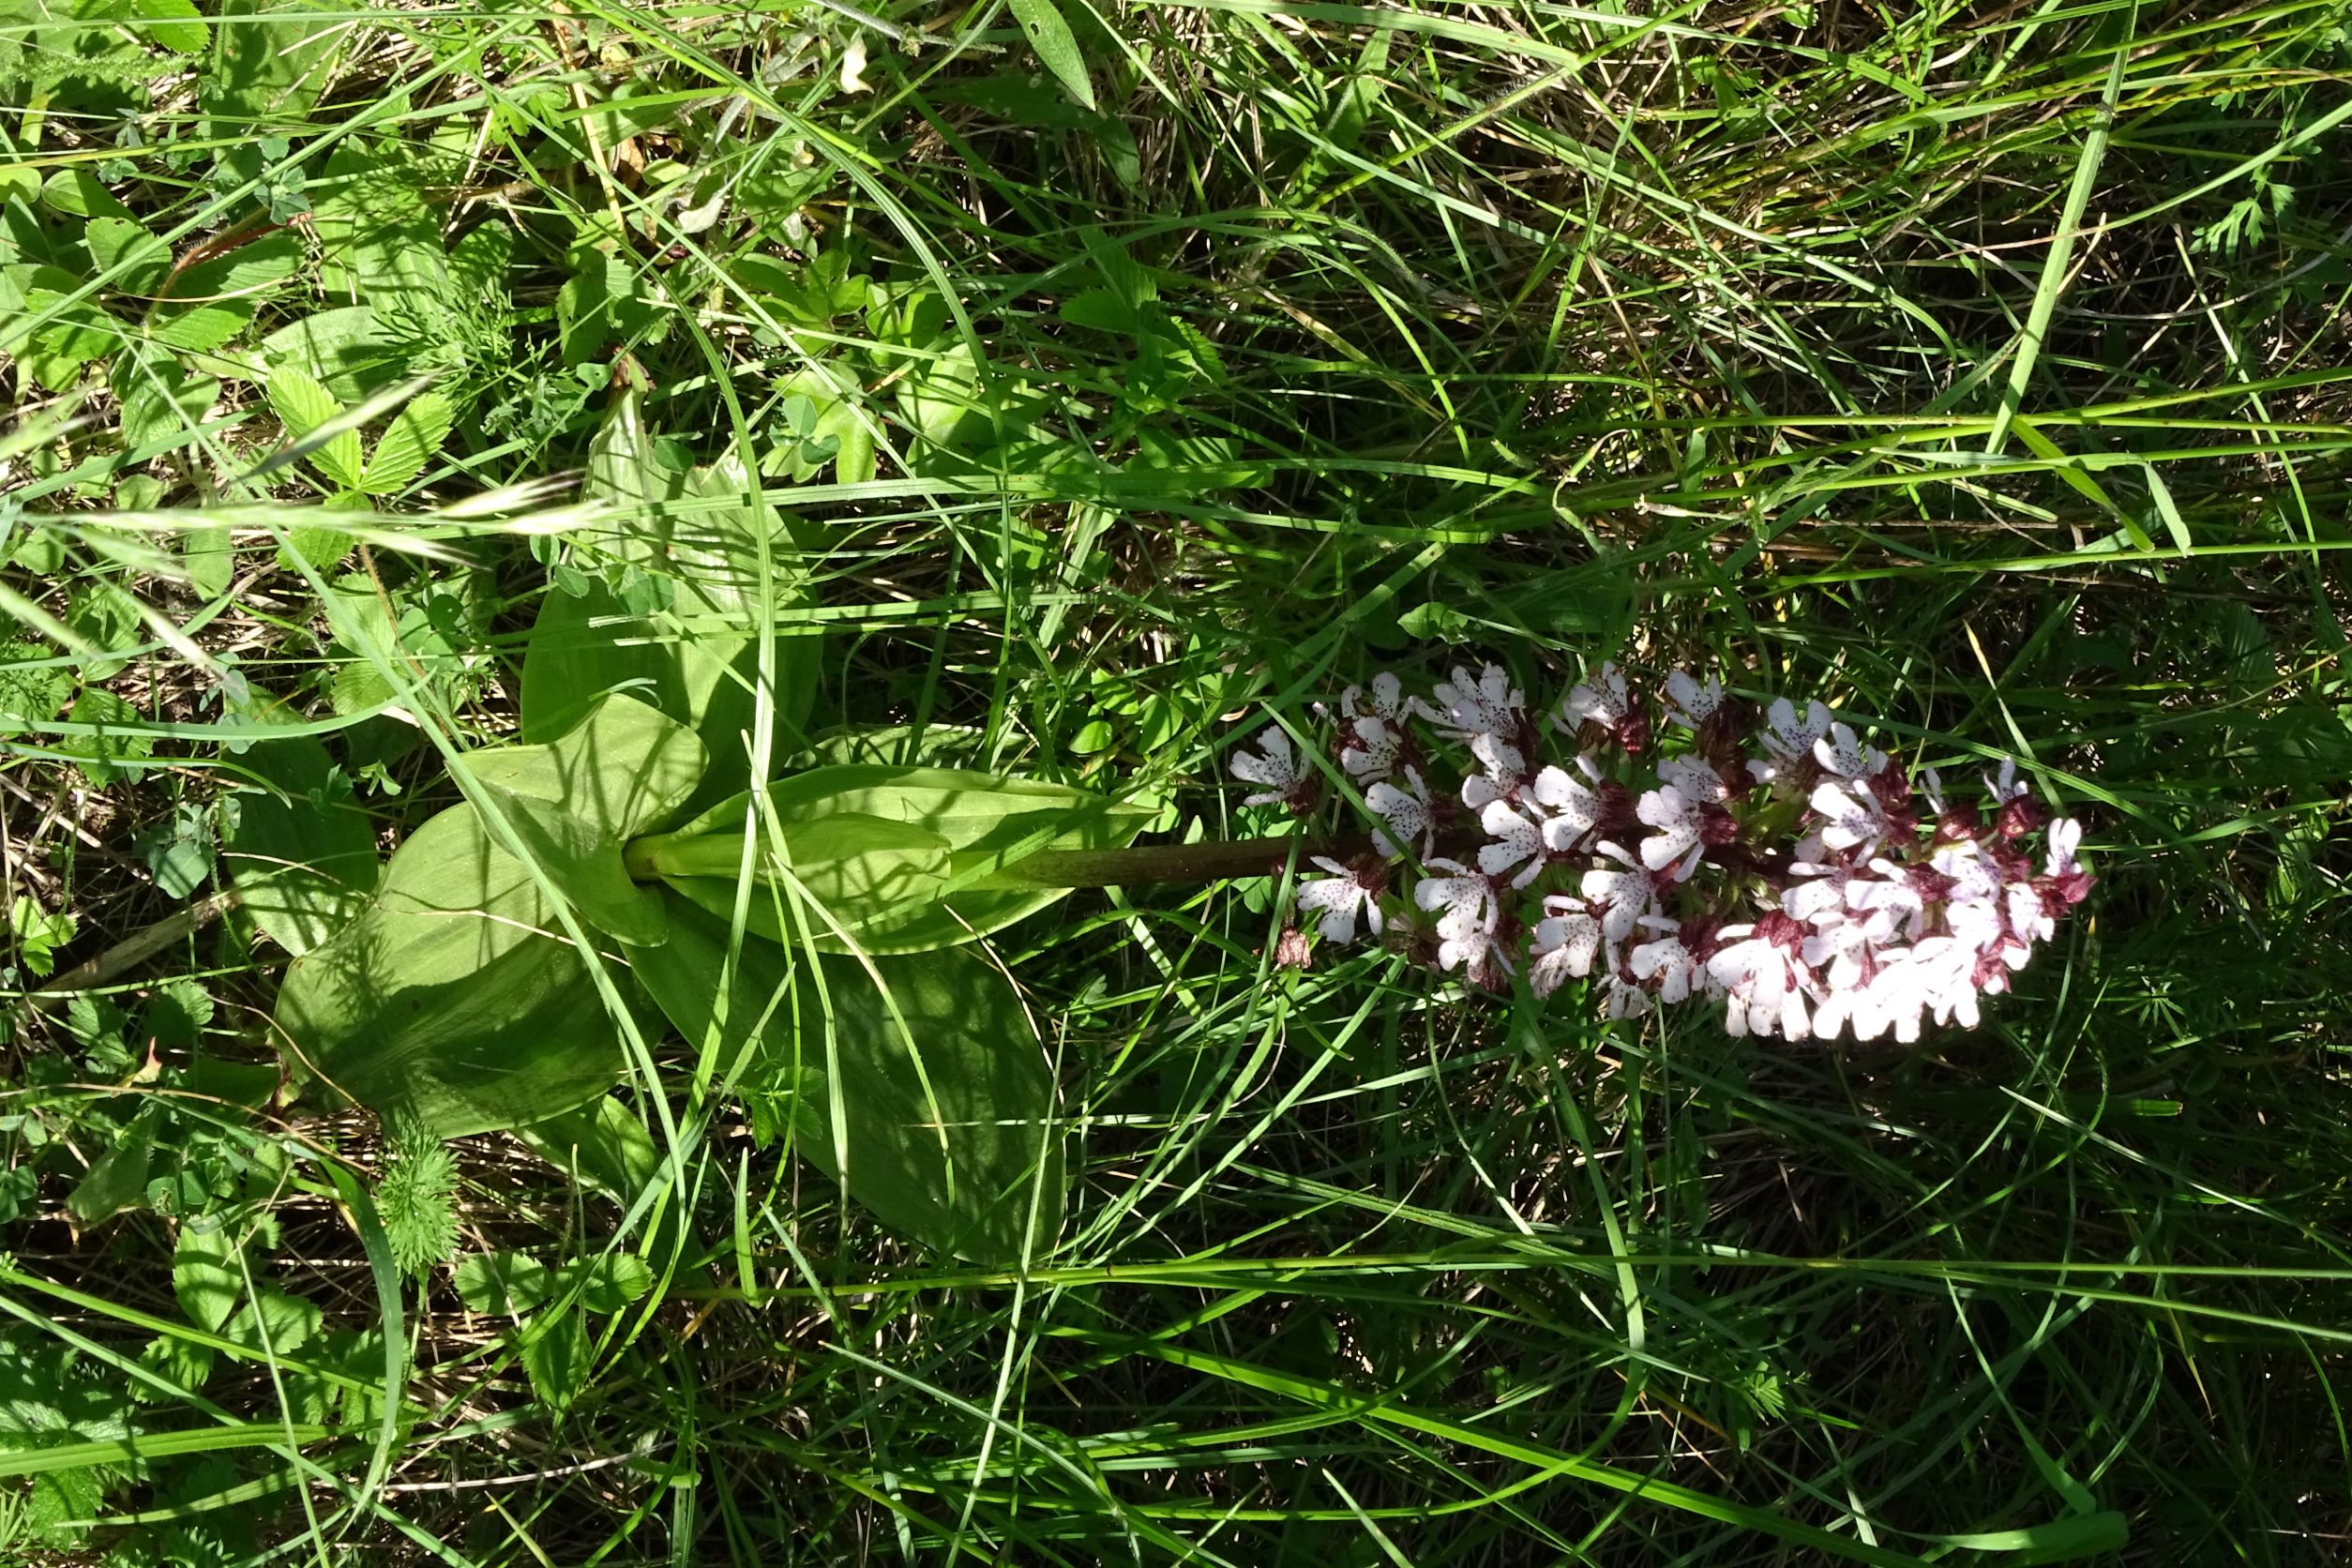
{"points": [[1852, 818], [1945, 973], [1840, 753], [854, 65], [1570, 810], [1841, 949], [1788, 739], [1696, 778], [1489, 705], [1898, 994], [1340, 898], [1689, 703], [1474, 952], [1565, 941], [1387, 701], [1519, 842], [2006, 786], [1892, 900], [1287, 780], [1763, 978], [1625, 1000], [2062, 851], [1978, 923], [1407, 813], [2028, 917], [1503, 771], [1677, 838], [1624, 896], [1858, 999], [1467, 896], [1371, 748], [1600, 698], [1666, 961], [1820, 894], [1976, 877]]}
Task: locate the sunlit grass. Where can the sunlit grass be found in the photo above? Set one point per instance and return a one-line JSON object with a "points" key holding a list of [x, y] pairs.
{"points": [[1967, 368]]}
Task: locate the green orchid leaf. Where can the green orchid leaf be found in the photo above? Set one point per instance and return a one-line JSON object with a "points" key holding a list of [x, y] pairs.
{"points": [[694, 660], [859, 870], [450, 996], [988, 823], [945, 1101], [576, 800]]}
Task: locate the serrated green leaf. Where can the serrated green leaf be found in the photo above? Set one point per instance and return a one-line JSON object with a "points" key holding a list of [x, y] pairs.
{"points": [[611, 1283], [175, 1015], [198, 328], [30, 693], [556, 1357], [303, 404], [175, 25], [131, 259], [113, 754], [413, 440], [205, 1275], [275, 1321], [503, 1284]]}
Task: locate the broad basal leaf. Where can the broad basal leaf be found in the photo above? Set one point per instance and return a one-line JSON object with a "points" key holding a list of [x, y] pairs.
{"points": [[859, 870], [987, 825], [945, 1101], [449, 995], [576, 800], [698, 661]]}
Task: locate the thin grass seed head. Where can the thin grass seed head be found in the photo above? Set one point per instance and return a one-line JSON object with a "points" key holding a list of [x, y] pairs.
{"points": [[1774, 865]]}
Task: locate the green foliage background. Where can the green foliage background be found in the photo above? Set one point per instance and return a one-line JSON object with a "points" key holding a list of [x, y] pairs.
{"points": [[1056, 391]]}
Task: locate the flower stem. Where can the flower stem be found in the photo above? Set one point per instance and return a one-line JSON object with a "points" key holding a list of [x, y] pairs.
{"points": [[1213, 860]]}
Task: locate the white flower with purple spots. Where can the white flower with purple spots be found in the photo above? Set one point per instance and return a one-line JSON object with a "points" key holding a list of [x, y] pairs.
{"points": [[1571, 811], [1841, 753], [1517, 850], [1689, 703], [1789, 740], [1489, 705], [1285, 777], [1667, 962], [1622, 896], [1565, 941], [1408, 814], [1602, 697], [1674, 849], [1466, 897], [1342, 898]]}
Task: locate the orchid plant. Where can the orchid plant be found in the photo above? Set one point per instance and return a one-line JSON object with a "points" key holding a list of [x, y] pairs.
{"points": [[1784, 870]]}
